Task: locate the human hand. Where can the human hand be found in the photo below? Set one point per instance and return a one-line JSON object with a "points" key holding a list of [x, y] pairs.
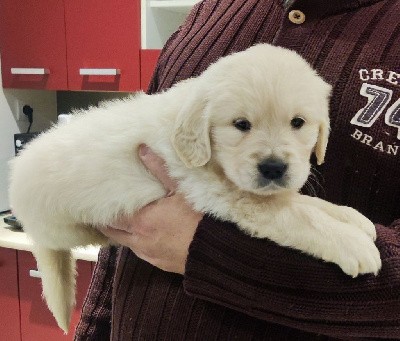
{"points": [[161, 232]]}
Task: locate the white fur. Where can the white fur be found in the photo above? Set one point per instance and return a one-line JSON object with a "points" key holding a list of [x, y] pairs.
{"points": [[85, 174]]}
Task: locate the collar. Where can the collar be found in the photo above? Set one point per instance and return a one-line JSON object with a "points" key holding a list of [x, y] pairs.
{"points": [[323, 8]]}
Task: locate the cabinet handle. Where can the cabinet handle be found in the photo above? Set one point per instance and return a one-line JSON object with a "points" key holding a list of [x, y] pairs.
{"points": [[35, 273], [29, 71], [99, 72]]}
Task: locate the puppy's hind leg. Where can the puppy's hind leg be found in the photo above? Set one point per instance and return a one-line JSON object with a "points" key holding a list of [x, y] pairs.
{"points": [[58, 274]]}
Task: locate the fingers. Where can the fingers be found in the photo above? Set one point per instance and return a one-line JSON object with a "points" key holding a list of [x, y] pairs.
{"points": [[139, 221], [141, 245], [120, 236], [156, 166]]}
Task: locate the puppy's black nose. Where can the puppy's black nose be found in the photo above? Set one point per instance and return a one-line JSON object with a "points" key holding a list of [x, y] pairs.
{"points": [[272, 169]]}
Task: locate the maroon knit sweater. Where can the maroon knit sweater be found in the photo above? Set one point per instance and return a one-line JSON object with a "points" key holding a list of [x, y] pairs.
{"points": [[238, 287]]}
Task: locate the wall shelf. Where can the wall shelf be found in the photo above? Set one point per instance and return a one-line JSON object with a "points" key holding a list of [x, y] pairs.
{"points": [[182, 6], [160, 18]]}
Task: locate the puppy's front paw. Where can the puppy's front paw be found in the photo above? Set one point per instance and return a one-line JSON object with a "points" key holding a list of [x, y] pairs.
{"points": [[346, 215], [353, 217], [356, 253]]}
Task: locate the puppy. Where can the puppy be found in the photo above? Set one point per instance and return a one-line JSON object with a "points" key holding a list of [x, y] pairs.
{"points": [[238, 139]]}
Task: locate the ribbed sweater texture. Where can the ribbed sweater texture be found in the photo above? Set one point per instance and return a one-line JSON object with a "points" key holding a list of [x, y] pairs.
{"points": [[240, 288]]}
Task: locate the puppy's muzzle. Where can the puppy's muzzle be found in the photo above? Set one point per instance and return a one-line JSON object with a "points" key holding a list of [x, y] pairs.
{"points": [[272, 169]]}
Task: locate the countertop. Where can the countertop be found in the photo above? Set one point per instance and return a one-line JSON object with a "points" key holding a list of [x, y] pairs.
{"points": [[15, 239]]}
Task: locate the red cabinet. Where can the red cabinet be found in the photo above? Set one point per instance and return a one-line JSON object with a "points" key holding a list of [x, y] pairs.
{"points": [[32, 44], [103, 37], [37, 323], [9, 301], [148, 61], [74, 44]]}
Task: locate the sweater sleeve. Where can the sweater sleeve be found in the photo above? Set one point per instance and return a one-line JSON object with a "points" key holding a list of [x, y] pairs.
{"points": [[95, 321], [286, 287]]}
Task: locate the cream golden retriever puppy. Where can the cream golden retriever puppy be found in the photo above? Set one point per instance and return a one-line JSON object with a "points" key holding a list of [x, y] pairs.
{"points": [[238, 139]]}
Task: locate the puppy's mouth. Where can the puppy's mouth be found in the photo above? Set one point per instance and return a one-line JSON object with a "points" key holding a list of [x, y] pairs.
{"points": [[271, 185]]}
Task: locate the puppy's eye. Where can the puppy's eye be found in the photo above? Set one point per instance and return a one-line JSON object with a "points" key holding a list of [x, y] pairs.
{"points": [[242, 124], [297, 122]]}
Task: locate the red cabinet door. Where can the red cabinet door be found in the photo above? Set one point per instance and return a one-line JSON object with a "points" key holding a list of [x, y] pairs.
{"points": [[32, 38], [9, 301], [148, 62], [103, 37], [37, 323]]}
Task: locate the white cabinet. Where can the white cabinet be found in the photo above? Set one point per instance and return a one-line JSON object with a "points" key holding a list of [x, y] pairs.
{"points": [[160, 18]]}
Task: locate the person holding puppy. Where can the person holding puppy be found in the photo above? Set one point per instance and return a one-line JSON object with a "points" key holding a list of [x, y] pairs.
{"points": [[185, 276]]}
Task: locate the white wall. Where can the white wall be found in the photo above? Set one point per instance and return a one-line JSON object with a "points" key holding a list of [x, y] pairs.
{"points": [[43, 102], [44, 111]]}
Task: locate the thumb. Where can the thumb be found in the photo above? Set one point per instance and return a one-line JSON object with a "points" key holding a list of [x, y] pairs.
{"points": [[156, 166]]}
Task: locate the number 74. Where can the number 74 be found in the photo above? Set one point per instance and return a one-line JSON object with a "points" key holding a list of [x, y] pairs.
{"points": [[378, 99]]}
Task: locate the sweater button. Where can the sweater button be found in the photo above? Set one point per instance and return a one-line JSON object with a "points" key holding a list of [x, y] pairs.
{"points": [[297, 17]]}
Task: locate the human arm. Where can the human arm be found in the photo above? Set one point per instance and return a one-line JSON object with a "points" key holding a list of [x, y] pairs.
{"points": [[283, 286], [262, 279]]}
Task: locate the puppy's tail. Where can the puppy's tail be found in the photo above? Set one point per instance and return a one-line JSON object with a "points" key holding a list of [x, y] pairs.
{"points": [[58, 275]]}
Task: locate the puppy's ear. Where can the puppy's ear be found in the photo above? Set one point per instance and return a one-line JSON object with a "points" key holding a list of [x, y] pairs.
{"points": [[322, 142], [324, 127], [191, 138]]}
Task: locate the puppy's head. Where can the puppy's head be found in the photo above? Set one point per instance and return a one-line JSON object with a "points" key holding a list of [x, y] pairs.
{"points": [[259, 114]]}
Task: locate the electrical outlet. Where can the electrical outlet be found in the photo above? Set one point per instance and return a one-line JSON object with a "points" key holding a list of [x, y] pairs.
{"points": [[19, 110], [20, 116]]}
